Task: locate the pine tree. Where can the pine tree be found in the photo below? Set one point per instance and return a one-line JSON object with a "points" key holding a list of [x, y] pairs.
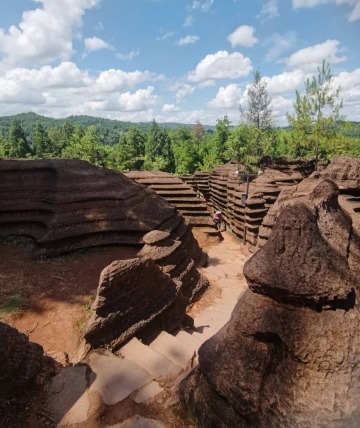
{"points": [[18, 144], [259, 112], [316, 119], [42, 146]]}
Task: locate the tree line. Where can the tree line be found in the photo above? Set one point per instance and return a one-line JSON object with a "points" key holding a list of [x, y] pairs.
{"points": [[317, 129]]}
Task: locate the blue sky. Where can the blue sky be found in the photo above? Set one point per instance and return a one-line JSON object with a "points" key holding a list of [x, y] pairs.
{"points": [[172, 60]]}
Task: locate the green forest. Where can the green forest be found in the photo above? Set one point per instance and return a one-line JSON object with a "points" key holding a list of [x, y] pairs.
{"points": [[316, 129]]}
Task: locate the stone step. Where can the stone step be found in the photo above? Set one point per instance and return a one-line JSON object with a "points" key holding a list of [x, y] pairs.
{"points": [[160, 367], [193, 341], [148, 392], [115, 378], [173, 349]]}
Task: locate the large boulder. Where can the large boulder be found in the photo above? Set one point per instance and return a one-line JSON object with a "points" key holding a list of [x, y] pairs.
{"points": [[290, 354], [134, 295], [20, 361]]}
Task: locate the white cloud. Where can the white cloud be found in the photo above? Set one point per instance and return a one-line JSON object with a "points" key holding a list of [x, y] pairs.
{"points": [[140, 100], [129, 56], [221, 65], [308, 59], [44, 34], [228, 97], [115, 80], [93, 44], [188, 21], [285, 82], [281, 106], [350, 92], [207, 84], [243, 36], [279, 44], [64, 90], [204, 5], [170, 108], [269, 10], [183, 91], [355, 4], [187, 40]]}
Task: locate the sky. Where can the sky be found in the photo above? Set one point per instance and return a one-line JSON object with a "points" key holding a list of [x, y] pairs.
{"points": [[172, 60]]}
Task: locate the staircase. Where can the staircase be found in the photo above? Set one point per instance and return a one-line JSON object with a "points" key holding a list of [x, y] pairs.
{"points": [[179, 194], [141, 372]]}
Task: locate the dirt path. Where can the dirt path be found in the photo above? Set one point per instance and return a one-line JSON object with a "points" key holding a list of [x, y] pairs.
{"points": [[49, 299], [138, 381]]}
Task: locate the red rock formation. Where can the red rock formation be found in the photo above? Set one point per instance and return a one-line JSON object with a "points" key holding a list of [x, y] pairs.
{"points": [[133, 295], [343, 170], [178, 193], [67, 205], [290, 354]]}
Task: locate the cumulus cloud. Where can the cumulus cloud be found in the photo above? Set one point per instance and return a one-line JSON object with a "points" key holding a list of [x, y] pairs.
{"points": [[170, 108], [355, 4], [93, 44], [243, 36], [44, 34], [221, 65], [279, 44], [228, 97], [308, 59], [115, 79], [285, 82], [140, 100], [269, 10], [65, 89], [280, 107], [183, 91], [350, 87], [187, 40]]}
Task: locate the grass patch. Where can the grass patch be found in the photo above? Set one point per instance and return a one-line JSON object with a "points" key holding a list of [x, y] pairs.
{"points": [[12, 302]]}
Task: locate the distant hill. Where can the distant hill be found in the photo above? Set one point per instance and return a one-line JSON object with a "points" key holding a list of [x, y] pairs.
{"points": [[110, 129]]}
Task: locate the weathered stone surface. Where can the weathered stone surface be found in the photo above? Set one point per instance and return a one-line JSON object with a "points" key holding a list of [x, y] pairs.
{"points": [[138, 422], [115, 378], [178, 193], [68, 399], [133, 295], [20, 361], [343, 170], [290, 354], [67, 205], [155, 236]]}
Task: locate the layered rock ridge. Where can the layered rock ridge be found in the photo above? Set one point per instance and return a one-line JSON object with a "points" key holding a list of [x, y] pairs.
{"points": [[290, 354]]}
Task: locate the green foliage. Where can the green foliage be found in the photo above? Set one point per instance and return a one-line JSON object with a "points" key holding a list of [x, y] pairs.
{"points": [[186, 153], [259, 114], [316, 121], [11, 302], [158, 150], [220, 137], [18, 146], [181, 150], [242, 146], [42, 144]]}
